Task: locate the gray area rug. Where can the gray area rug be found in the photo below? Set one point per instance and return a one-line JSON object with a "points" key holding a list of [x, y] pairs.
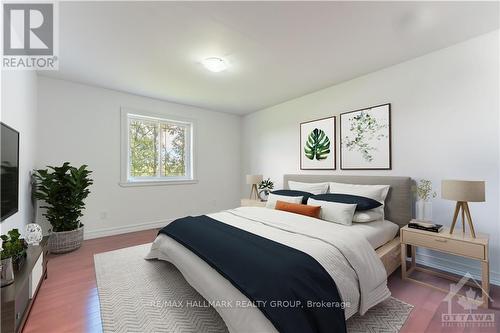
{"points": [[137, 295]]}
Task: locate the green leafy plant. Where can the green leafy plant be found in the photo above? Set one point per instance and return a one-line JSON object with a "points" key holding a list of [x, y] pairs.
{"points": [[63, 189], [424, 190], [317, 145], [12, 245], [266, 184]]}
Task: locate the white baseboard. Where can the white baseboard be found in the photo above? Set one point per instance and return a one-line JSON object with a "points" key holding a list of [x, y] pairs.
{"points": [[125, 229], [455, 267]]}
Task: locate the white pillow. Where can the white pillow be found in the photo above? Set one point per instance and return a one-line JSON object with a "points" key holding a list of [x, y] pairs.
{"points": [[368, 216], [272, 198], [375, 192], [314, 188], [334, 211]]}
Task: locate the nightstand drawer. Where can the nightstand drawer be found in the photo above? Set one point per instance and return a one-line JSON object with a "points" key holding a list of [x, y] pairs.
{"points": [[444, 244]]}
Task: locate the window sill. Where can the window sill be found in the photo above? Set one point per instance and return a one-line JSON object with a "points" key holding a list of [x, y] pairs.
{"points": [[158, 183]]}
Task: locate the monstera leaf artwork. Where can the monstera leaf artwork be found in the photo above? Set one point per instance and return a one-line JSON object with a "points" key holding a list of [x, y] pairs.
{"points": [[317, 145]]}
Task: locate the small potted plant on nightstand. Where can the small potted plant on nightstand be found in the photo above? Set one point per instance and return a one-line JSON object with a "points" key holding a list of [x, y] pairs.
{"points": [[63, 189], [424, 193], [265, 188], [13, 255]]}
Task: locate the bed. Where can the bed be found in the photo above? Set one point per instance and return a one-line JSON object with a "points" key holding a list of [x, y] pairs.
{"points": [[358, 260], [398, 207], [397, 204]]}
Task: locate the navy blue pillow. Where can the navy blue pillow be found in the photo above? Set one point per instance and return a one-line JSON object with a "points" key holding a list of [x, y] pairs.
{"points": [[292, 193], [362, 203]]}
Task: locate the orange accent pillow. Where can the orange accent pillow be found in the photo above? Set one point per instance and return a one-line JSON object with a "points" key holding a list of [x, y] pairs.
{"points": [[307, 210]]}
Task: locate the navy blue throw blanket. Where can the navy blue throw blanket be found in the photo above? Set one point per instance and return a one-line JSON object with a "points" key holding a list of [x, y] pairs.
{"points": [[289, 286]]}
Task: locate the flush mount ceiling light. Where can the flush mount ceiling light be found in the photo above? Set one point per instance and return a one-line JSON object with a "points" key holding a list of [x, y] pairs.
{"points": [[214, 64]]}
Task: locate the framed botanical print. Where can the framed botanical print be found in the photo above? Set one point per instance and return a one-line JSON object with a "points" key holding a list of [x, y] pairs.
{"points": [[317, 144], [365, 139]]}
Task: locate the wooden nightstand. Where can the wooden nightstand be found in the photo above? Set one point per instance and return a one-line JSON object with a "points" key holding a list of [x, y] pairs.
{"points": [[457, 244], [252, 203]]}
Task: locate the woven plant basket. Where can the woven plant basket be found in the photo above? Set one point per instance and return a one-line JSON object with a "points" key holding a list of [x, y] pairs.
{"points": [[65, 241]]}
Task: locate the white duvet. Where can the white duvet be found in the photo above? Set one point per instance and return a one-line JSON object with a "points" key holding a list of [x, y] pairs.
{"points": [[348, 257]]}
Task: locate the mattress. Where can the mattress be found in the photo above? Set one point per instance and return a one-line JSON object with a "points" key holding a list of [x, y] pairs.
{"points": [[377, 233]]}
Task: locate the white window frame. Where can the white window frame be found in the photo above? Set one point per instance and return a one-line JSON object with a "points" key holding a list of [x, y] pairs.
{"points": [[128, 114]]}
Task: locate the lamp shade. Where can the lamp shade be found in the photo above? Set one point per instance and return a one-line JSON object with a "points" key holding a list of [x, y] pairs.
{"points": [[463, 190], [254, 179]]}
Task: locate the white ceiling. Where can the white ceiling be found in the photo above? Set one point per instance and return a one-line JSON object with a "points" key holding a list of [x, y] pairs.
{"points": [[276, 50]]}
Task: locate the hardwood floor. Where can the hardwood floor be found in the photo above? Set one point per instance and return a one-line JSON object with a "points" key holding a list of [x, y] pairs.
{"points": [[68, 301], [430, 305]]}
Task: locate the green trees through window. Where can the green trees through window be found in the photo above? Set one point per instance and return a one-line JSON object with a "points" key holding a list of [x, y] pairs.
{"points": [[158, 148], [143, 149], [173, 143]]}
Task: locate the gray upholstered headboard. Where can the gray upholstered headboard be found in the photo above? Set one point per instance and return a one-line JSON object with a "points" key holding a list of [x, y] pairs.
{"points": [[398, 204]]}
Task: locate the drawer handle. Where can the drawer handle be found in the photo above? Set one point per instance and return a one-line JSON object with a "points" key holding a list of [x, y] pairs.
{"points": [[440, 240]]}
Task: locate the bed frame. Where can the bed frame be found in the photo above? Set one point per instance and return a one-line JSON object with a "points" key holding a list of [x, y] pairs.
{"points": [[398, 206]]}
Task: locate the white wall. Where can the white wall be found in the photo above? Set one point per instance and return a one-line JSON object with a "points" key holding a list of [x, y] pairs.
{"points": [[445, 124], [81, 124], [19, 110]]}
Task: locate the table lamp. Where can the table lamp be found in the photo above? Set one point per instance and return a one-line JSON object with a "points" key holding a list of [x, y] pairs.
{"points": [[254, 180], [463, 192]]}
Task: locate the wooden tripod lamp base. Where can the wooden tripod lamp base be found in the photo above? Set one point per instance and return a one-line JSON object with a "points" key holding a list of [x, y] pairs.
{"points": [[254, 194], [463, 207], [254, 180], [463, 192]]}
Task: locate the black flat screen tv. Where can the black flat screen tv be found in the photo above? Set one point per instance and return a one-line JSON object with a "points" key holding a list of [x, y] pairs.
{"points": [[9, 181]]}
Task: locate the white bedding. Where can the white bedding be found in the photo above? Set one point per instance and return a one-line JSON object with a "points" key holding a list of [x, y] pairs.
{"points": [[377, 233], [349, 258]]}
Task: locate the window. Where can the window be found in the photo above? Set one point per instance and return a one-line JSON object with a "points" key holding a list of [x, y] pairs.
{"points": [[156, 149]]}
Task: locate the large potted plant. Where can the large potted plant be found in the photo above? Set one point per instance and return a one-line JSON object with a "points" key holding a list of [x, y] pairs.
{"points": [[63, 189], [13, 255]]}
